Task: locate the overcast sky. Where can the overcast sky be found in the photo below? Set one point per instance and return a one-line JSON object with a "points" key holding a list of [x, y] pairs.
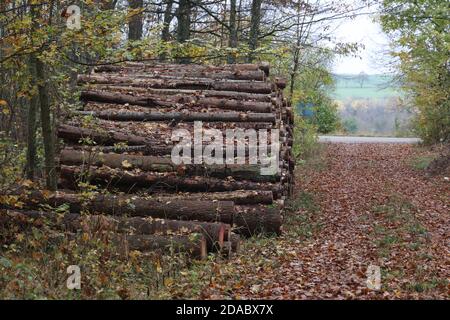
{"points": [[373, 58]]}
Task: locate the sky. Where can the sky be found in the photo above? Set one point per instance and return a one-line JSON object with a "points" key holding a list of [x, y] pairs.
{"points": [[373, 59]]}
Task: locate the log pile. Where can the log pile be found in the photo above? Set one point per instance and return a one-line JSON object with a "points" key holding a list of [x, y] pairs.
{"points": [[122, 140]]}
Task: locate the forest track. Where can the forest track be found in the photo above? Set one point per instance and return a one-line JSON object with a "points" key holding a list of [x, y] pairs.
{"points": [[355, 139], [360, 205]]}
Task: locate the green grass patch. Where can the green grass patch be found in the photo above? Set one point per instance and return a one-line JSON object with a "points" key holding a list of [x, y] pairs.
{"points": [[301, 217], [421, 162]]}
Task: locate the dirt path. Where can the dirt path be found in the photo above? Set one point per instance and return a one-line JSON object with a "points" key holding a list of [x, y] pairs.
{"points": [[367, 205], [354, 139]]}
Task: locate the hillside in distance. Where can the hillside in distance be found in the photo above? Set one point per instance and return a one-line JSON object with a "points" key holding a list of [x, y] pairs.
{"points": [[365, 86]]}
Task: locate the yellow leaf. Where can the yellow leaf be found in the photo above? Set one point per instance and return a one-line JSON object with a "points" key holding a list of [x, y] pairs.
{"points": [[85, 237], [27, 183], [126, 164], [168, 282], [158, 267], [3, 103]]}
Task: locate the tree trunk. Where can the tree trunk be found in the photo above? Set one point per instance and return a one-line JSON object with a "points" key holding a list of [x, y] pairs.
{"points": [[159, 164], [251, 75], [239, 197], [31, 128], [254, 29], [131, 205], [46, 122], [252, 220], [155, 101], [135, 26], [183, 94], [196, 70], [180, 83], [165, 32], [195, 246], [184, 25], [115, 115], [125, 180], [74, 134], [233, 40]]}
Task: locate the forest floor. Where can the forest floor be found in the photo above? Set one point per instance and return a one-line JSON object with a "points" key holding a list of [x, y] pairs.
{"points": [[356, 205]]}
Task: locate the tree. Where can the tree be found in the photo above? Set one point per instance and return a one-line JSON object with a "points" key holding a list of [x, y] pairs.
{"points": [[254, 28], [362, 78], [135, 26], [420, 33]]}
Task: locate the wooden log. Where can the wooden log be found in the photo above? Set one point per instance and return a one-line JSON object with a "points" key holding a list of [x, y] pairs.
{"points": [[177, 94], [159, 150], [214, 233], [251, 220], [243, 197], [195, 244], [153, 182], [255, 75], [164, 164], [77, 134], [130, 205], [174, 101], [74, 134], [180, 83], [115, 115], [164, 67]]}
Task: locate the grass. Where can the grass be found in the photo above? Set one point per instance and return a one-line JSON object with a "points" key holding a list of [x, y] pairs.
{"points": [[397, 225], [300, 220], [421, 162]]}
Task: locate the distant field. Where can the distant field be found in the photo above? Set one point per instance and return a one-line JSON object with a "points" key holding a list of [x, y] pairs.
{"points": [[367, 86]]}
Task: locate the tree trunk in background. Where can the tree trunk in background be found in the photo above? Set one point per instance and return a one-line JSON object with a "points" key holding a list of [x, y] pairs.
{"points": [[165, 33], [47, 133], [184, 24], [254, 28], [31, 127], [233, 31], [135, 26]]}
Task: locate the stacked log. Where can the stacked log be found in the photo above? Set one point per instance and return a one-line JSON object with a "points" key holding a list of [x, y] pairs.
{"points": [[133, 111]]}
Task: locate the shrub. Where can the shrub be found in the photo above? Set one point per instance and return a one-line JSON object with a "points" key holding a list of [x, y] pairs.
{"points": [[326, 117], [350, 125]]}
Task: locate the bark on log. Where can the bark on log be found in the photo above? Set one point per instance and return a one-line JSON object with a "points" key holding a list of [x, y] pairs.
{"points": [[251, 220], [74, 134], [214, 233], [155, 101], [145, 66], [164, 164], [255, 75], [195, 244], [153, 182], [171, 94], [115, 115], [129, 205], [181, 83], [240, 197]]}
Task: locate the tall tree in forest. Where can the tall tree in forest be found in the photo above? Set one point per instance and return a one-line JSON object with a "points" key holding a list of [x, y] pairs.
{"points": [[135, 26], [33, 108], [233, 38], [184, 24], [165, 32], [254, 28]]}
